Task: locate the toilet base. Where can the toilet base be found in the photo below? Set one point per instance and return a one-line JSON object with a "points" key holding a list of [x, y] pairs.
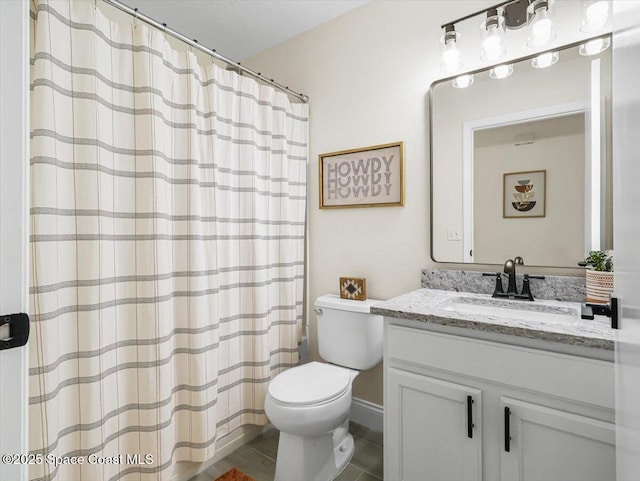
{"points": [[314, 458]]}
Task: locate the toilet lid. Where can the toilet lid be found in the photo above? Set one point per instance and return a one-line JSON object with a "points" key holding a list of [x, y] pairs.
{"points": [[310, 383]]}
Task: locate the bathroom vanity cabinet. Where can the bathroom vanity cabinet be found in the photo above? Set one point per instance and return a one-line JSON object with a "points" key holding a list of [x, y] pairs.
{"points": [[459, 408], [466, 406]]}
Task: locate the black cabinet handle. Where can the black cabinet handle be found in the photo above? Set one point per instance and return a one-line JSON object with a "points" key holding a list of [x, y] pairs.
{"points": [[470, 424], [614, 313], [507, 429]]}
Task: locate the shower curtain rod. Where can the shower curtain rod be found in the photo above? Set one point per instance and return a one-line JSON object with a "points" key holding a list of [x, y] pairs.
{"points": [[194, 43]]}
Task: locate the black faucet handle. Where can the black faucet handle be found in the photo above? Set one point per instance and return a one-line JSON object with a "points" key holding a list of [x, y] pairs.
{"points": [[529, 276], [498, 288], [526, 289]]}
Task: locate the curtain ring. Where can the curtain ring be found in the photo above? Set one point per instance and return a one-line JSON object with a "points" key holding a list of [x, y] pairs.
{"points": [[164, 31], [135, 17]]}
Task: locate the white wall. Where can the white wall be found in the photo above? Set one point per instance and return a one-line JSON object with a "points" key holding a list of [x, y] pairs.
{"points": [[368, 74]]}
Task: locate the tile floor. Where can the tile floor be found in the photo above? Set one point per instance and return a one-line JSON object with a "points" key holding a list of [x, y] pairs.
{"points": [[258, 458]]}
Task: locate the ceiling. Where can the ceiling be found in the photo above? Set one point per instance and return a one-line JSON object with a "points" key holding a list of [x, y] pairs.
{"points": [[239, 29]]}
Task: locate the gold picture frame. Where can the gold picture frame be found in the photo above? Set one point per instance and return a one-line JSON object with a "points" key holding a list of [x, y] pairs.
{"points": [[365, 177], [524, 194]]}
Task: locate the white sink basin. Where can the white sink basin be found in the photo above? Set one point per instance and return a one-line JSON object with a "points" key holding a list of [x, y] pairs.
{"points": [[514, 310]]}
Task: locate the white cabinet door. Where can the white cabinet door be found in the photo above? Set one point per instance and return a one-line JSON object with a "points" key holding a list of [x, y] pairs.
{"points": [[432, 429], [551, 445]]}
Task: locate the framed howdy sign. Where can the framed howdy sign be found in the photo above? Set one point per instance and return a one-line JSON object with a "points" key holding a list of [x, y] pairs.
{"points": [[367, 177]]}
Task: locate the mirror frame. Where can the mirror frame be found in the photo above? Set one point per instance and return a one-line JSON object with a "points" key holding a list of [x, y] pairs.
{"points": [[473, 72]]}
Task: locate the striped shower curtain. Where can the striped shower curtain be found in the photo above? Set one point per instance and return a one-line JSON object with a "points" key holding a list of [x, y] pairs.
{"points": [[167, 248]]}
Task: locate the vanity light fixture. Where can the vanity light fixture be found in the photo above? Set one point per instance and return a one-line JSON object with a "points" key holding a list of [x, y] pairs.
{"points": [[493, 32], [501, 71], [515, 14], [506, 15], [595, 15], [541, 30], [545, 60], [450, 58], [463, 81], [594, 47]]}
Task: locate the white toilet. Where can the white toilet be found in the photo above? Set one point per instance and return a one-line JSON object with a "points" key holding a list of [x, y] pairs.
{"points": [[310, 403]]}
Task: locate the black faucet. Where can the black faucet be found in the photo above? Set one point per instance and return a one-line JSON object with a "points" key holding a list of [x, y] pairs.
{"points": [[512, 289]]}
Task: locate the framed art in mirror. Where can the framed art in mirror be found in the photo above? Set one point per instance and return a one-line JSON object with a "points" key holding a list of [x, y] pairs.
{"points": [[524, 194]]}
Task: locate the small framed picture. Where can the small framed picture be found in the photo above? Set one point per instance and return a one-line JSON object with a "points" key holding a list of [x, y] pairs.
{"points": [[525, 194], [366, 177], [353, 288]]}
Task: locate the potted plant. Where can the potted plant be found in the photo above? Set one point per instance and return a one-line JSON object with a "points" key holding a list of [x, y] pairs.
{"points": [[599, 276]]}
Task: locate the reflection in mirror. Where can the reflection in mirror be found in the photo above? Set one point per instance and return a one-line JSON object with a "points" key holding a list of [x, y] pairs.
{"points": [[521, 165]]}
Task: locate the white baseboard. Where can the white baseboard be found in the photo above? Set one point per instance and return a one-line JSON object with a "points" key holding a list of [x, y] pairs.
{"points": [[366, 413], [185, 470]]}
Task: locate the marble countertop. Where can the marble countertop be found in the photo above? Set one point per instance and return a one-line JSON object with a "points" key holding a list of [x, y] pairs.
{"points": [[463, 310]]}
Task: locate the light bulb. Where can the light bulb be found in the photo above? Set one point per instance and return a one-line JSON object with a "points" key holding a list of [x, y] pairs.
{"points": [[450, 58], [492, 32], [501, 71], [541, 27], [545, 60], [598, 11], [594, 47], [462, 81], [492, 47], [542, 30], [596, 16]]}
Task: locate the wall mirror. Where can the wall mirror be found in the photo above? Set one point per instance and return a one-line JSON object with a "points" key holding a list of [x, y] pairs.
{"points": [[521, 160]]}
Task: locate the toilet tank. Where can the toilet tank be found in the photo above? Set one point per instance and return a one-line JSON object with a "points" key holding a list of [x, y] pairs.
{"points": [[348, 334]]}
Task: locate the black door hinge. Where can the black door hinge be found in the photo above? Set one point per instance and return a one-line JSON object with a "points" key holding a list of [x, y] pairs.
{"points": [[15, 332]]}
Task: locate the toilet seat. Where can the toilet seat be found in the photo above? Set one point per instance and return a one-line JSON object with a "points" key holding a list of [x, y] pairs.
{"points": [[309, 384]]}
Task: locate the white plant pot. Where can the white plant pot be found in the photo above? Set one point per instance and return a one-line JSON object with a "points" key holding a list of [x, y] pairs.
{"points": [[599, 286]]}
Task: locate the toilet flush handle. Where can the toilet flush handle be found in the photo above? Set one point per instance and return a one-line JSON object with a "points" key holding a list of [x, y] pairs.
{"points": [[318, 311]]}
